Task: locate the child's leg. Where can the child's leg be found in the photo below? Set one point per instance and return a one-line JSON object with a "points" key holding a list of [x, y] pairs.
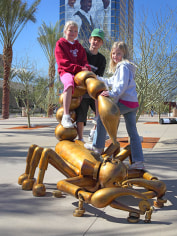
{"points": [[92, 131], [67, 95], [96, 108], [80, 129], [68, 81]]}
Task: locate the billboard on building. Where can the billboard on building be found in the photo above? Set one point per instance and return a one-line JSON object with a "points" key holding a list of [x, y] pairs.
{"points": [[89, 14]]}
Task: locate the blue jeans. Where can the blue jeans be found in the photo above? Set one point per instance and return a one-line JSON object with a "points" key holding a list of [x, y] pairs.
{"points": [[130, 122]]}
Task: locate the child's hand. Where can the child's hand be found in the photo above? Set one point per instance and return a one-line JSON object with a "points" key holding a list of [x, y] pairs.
{"points": [[105, 93]]}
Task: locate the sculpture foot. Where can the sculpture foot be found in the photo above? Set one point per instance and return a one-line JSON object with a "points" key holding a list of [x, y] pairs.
{"points": [[57, 193], [160, 202], [39, 190], [133, 217], [78, 212], [28, 184], [148, 215], [144, 206], [22, 178]]}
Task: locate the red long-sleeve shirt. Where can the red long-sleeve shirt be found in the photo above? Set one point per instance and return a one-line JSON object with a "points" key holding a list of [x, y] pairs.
{"points": [[70, 57]]}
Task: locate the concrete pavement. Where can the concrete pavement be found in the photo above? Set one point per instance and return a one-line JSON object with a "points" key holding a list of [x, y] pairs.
{"points": [[23, 214]]}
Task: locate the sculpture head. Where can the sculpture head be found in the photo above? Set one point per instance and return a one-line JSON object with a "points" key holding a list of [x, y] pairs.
{"points": [[112, 173]]}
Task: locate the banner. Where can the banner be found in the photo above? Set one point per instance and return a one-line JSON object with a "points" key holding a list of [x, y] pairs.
{"points": [[89, 14]]}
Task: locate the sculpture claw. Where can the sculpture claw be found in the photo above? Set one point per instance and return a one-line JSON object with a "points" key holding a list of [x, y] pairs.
{"points": [[39, 190], [22, 178], [104, 197], [28, 184], [157, 186]]}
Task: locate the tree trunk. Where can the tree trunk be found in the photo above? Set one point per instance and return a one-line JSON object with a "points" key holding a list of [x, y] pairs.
{"points": [[50, 104], [28, 114], [159, 111], [7, 61], [51, 88]]}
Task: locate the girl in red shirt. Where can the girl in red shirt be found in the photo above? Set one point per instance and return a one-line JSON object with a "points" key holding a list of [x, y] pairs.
{"points": [[71, 58]]}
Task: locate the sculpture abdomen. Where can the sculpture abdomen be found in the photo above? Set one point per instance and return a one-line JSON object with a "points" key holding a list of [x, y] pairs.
{"points": [[74, 153]]}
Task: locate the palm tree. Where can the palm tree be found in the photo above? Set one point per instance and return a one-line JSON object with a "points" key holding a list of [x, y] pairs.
{"points": [[48, 36], [14, 15]]}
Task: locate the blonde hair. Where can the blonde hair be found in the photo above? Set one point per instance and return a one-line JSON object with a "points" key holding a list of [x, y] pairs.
{"points": [[69, 23], [123, 47]]}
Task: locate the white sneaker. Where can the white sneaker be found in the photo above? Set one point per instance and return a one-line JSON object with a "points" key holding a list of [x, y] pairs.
{"points": [[139, 165], [92, 148], [66, 121], [92, 132]]}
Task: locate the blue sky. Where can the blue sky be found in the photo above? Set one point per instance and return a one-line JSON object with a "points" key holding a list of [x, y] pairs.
{"points": [[27, 45]]}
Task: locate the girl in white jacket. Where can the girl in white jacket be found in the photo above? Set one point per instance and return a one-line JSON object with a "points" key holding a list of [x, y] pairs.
{"points": [[122, 88]]}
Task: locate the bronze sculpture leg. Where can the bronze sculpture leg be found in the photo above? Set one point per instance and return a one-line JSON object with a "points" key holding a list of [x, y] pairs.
{"points": [[27, 179]]}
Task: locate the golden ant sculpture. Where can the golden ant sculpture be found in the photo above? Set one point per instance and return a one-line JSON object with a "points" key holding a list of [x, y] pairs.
{"points": [[93, 179]]}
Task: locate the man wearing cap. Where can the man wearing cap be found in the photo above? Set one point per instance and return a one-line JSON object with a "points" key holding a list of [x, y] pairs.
{"points": [[97, 63]]}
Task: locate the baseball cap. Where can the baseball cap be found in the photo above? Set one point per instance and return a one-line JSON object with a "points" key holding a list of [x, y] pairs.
{"points": [[98, 33]]}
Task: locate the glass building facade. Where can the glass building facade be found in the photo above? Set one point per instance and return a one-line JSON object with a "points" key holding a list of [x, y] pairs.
{"points": [[122, 21], [115, 17]]}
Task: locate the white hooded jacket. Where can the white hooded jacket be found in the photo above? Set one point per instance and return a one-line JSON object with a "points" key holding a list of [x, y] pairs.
{"points": [[122, 84]]}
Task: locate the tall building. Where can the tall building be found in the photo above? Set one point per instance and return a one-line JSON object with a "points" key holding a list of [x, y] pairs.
{"points": [[115, 17], [122, 21]]}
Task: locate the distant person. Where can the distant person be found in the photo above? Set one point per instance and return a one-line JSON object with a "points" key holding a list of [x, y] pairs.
{"points": [[70, 9], [152, 111], [84, 21], [71, 59], [97, 63], [123, 90], [102, 18]]}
